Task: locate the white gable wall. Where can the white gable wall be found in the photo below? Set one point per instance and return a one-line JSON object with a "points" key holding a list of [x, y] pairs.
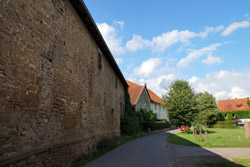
{"points": [[159, 110]]}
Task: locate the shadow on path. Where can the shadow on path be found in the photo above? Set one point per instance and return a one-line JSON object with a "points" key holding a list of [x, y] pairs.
{"points": [[192, 156]]}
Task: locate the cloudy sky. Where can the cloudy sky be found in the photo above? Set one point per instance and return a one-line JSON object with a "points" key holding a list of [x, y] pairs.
{"points": [[158, 41]]}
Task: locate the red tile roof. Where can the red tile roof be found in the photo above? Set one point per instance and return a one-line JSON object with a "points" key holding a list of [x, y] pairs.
{"points": [[154, 97], [135, 90], [233, 105]]}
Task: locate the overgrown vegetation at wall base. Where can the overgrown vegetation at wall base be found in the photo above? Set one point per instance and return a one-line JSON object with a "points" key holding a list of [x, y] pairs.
{"points": [[105, 145], [129, 124], [237, 114], [224, 124]]}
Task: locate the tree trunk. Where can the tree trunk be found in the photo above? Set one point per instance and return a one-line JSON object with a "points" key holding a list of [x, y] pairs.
{"points": [[200, 135], [193, 131], [206, 137]]}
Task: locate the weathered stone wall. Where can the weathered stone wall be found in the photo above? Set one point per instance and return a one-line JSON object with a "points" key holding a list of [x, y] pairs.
{"points": [[247, 129], [56, 101], [143, 101]]}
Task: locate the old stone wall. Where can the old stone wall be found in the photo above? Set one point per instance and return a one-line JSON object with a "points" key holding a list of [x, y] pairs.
{"points": [[58, 93], [247, 129]]}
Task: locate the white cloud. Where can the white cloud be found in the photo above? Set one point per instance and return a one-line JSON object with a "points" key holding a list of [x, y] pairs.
{"points": [[166, 40], [109, 34], [148, 67], [136, 43], [195, 54], [211, 30], [211, 60], [234, 26], [224, 84], [159, 83], [120, 23]]}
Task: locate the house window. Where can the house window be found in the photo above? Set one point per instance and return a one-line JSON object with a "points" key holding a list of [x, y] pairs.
{"points": [[239, 105], [99, 60], [233, 115], [225, 115]]}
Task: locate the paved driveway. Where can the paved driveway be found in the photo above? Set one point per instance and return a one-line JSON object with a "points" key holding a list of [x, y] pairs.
{"points": [[147, 151]]}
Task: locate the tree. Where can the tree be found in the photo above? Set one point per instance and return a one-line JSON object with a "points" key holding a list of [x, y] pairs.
{"points": [[180, 103], [208, 111], [207, 107]]}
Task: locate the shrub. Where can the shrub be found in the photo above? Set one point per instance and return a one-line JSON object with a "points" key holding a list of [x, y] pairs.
{"points": [[129, 124], [154, 126], [224, 124], [146, 116]]}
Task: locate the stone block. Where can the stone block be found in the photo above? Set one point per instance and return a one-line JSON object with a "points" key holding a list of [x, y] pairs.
{"points": [[247, 129]]}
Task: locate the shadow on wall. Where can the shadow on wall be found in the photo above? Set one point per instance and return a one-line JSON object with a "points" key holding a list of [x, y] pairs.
{"points": [[192, 156]]}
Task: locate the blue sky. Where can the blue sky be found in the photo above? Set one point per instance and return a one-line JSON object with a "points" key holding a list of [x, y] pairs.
{"points": [[156, 42]]}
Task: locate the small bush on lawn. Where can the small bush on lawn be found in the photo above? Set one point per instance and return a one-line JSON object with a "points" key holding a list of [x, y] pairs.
{"points": [[225, 124]]}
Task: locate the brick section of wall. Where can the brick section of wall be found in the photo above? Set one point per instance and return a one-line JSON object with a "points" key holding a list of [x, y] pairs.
{"points": [[51, 89], [247, 129]]}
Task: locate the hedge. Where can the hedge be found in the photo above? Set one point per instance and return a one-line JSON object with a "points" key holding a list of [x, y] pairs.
{"points": [[154, 126], [224, 124], [238, 114]]}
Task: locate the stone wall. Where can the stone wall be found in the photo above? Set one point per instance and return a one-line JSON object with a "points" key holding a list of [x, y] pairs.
{"points": [[247, 129], [58, 93]]}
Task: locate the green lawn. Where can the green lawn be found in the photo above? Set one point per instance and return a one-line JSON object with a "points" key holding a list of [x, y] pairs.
{"points": [[217, 138]]}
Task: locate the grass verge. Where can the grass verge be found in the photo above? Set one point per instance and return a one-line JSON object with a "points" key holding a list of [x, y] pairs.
{"points": [[217, 138], [237, 162], [106, 145]]}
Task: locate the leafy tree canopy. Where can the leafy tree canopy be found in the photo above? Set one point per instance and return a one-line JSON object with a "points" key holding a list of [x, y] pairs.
{"points": [[207, 107], [180, 103]]}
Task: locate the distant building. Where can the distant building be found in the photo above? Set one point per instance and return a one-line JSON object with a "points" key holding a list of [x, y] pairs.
{"points": [[143, 98], [139, 96], [233, 105], [157, 105]]}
